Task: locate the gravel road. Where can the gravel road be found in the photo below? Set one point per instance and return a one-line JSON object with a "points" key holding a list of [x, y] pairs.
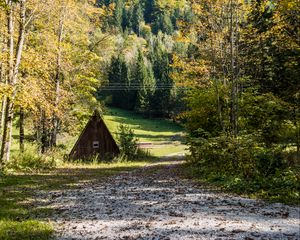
{"points": [[155, 203]]}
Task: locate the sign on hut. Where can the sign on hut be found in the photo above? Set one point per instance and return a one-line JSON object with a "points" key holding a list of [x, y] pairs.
{"points": [[95, 139]]}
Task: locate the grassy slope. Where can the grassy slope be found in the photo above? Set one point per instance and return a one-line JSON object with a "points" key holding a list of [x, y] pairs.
{"points": [[147, 130], [156, 131]]}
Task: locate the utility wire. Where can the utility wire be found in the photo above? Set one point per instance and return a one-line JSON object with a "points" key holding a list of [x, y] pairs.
{"points": [[119, 87]]}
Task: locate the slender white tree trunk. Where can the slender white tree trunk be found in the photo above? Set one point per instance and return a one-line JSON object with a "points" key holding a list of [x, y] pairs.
{"points": [[55, 119], [14, 65], [3, 80], [10, 64]]}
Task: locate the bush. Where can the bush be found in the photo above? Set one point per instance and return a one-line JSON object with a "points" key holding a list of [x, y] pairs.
{"points": [[30, 160], [127, 141], [269, 161], [245, 166]]}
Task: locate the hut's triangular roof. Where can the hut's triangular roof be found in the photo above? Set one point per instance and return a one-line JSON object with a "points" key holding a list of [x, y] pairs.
{"points": [[95, 139]]}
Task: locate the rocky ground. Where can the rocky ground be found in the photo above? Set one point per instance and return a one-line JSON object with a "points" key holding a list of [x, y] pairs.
{"points": [[155, 203]]}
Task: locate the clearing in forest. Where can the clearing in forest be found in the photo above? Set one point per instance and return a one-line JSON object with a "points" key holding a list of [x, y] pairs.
{"points": [[161, 137]]}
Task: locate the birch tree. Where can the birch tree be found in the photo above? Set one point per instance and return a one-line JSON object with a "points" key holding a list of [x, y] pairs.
{"points": [[15, 50], [49, 72]]}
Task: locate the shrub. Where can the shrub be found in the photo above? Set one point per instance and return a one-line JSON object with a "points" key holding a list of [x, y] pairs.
{"points": [[30, 160], [127, 141], [269, 161], [242, 157]]}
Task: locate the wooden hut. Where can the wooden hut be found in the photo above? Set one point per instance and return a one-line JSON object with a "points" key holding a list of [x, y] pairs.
{"points": [[95, 139]]}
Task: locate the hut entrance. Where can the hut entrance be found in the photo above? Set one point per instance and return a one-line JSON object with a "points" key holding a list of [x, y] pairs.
{"points": [[95, 139]]}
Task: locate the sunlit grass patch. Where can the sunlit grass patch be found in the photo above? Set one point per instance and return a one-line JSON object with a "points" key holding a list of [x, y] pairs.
{"points": [[168, 149], [145, 129], [25, 230]]}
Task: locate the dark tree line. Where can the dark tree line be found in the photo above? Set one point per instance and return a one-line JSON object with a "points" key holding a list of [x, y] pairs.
{"points": [[143, 86]]}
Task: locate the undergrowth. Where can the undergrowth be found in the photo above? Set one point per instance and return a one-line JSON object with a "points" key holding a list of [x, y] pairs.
{"points": [[282, 187], [246, 168]]}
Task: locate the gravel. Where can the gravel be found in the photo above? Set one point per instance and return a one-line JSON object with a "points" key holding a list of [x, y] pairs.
{"points": [[155, 203]]}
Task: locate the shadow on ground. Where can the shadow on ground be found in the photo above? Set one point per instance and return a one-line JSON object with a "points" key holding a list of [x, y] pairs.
{"points": [[155, 202]]}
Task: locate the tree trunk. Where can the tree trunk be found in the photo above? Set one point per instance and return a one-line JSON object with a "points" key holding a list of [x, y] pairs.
{"points": [[21, 130], [8, 131], [2, 80], [55, 119], [4, 136], [3, 106], [234, 79], [232, 75], [297, 126], [213, 75], [10, 64], [14, 64], [44, 134]]}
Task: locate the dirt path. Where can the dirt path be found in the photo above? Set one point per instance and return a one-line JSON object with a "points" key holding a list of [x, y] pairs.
{"points": [[154, 203]]}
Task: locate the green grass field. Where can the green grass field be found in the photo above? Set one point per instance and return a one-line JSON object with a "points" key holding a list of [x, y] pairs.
{"points": [[165, 135], [146, 130]]}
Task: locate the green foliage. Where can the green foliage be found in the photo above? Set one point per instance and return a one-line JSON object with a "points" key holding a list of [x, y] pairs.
{"points": [[119, 83], [272, 33], [164, 24], [117, 14], [269, 161], [137, 18], [264, 114], [161, 102], [143, 82], [243, 165], [204, 112], [30, 160], [127, 142]]}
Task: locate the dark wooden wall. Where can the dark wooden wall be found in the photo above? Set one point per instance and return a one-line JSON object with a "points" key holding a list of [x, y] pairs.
{"points": [[95, 131]]}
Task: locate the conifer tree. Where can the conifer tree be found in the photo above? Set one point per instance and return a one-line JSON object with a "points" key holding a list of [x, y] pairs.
{"points": [[160, 103], [149, 11], [119, 82], [118, 14], [137, 18], [144, 84]]}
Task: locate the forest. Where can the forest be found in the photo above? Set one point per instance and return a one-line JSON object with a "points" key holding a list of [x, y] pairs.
{"points": [[226, 72]]}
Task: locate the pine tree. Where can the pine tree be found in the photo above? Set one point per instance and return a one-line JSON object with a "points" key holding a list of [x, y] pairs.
{"points": [[137, 18], [118, 14], [163, 23], [149, 11], [143, 83], [160, 103], [119, 82]]}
